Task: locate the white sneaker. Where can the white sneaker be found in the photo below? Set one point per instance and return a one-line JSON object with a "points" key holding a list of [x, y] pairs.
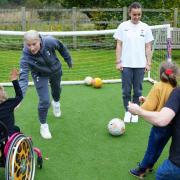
{"points": [[44, 131], [56, 108], [127, 117], [134, 118]]}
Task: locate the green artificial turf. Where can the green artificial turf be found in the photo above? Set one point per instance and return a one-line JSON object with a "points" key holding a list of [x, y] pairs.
{"points": [[81, 148]]}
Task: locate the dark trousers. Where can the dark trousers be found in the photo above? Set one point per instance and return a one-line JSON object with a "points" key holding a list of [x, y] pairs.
{"points": [[132, 78], [158, 138], [42, 88]]}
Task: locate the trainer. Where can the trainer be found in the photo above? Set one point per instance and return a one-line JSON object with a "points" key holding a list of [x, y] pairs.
{"points": [[39, 57]]}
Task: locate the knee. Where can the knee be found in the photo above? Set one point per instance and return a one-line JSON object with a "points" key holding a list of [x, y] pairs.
{"points": [[137, 92], [44, 104], [126, 92]]}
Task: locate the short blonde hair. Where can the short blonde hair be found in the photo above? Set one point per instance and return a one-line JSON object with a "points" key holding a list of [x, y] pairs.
{"points": [[31, 35], [3, 95]]}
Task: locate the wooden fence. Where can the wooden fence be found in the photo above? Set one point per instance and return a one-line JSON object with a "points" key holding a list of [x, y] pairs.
{"points": [[175, 38], [79, 19]]}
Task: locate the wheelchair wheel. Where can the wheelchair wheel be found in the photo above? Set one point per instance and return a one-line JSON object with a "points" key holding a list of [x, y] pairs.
{"points": [[20, 161]]}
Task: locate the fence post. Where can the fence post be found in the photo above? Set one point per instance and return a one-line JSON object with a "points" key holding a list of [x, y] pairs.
{"points": [[175, 17], [23, 20], [74, 24], [125, 13]]}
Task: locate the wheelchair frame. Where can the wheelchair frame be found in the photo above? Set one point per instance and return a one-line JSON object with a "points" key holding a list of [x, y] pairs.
{"points": [[19, 156]]}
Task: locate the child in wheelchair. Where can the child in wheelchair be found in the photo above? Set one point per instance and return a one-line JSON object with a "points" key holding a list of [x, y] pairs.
{"points": [[17, 153], [7, 106]]}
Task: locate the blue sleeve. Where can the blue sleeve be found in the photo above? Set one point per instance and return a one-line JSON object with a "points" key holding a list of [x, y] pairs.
{"points": [[61, 49], [24, 72]]}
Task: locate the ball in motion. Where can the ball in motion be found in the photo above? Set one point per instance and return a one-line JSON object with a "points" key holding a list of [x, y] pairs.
{"points": [[97, 82], [116, 127], [88, 80]]}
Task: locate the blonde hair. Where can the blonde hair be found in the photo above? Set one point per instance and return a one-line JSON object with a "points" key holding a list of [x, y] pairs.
{"points": [[3, 96], [31, 35], [169, 72]]}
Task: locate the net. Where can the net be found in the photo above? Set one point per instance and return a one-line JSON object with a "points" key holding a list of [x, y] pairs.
{"points": [[93, 54]]}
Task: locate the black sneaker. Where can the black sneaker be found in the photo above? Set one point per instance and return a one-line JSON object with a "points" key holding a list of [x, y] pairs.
{"points": [[149, 169], [140, 172]]}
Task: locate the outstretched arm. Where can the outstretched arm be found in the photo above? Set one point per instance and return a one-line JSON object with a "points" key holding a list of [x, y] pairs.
{"points": [[14, 74], [23, 79], [19, 96], [161, 118], [14, 78], [64, 53]]}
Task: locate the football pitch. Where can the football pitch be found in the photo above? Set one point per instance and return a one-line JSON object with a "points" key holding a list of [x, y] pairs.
{"points": [[81, 148]]}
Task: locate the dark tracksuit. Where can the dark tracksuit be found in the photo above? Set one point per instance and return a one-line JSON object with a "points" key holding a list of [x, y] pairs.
{"points": [[45, 67], [7, 108]]}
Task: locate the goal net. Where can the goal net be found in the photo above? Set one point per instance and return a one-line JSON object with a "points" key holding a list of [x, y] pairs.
{"points": [[93, 54]]}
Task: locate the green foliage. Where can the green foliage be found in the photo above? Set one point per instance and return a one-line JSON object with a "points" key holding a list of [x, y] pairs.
{"points": [[119, 3], [3, 2], [50, 2], [102, 19], [154, 18], [18, 2], [33, 3], [95, 3], [12, 3], [49, 15], [14, 27]]}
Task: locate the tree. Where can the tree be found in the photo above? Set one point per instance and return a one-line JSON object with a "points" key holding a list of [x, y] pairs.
{"points": [[3, 2]]}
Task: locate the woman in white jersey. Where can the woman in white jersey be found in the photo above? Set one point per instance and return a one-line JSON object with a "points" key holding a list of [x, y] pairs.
{"points": [[133, 56]]}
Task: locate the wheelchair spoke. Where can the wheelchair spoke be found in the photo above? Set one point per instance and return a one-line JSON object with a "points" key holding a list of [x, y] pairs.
{"points": [[21, 160]]}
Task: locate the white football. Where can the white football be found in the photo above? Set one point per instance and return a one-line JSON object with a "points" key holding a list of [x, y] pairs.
{"points": [[116, 127], [88, 80]]}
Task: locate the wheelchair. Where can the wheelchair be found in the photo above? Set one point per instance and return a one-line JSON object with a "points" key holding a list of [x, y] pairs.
{"points": [[17, 155]]}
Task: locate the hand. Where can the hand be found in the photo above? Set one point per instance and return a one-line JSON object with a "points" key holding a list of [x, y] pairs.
{"points": [[142, 99], [69, 64], [134, 108], [147, 68], [14, 74], [119, 67]]}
